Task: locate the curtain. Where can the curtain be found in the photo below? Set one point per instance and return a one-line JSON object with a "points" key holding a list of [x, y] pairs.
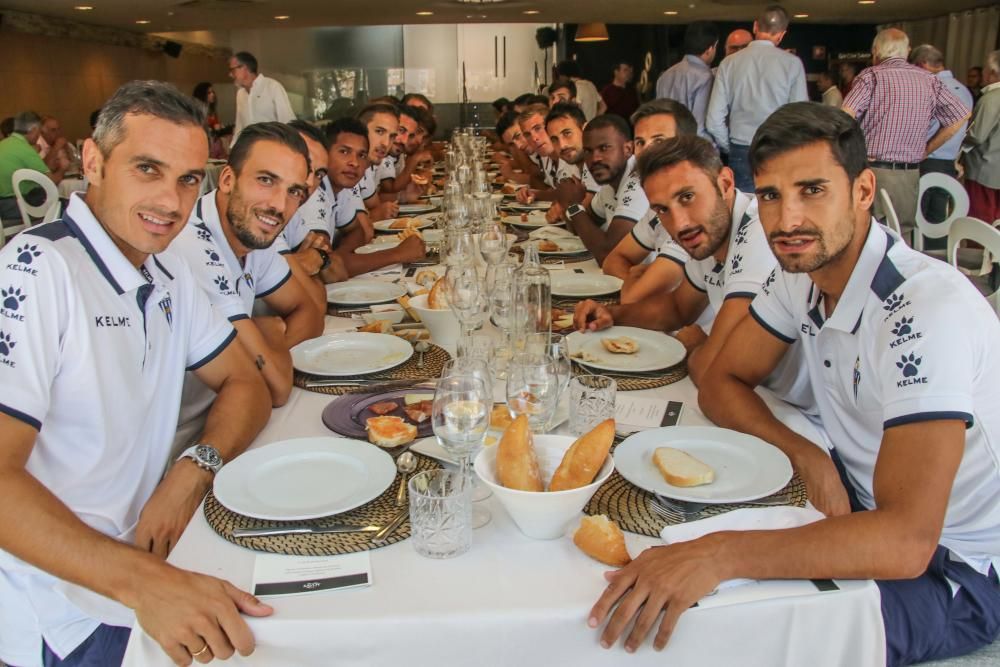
{"points": [[963, 37]]}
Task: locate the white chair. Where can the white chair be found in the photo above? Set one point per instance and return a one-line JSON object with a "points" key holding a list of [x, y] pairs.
{"points": [[891, 219], [938, 230], [974, 229], [49, 209]]}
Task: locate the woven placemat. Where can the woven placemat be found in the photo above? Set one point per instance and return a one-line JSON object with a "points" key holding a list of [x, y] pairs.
{"points": [[628, 505], [434, 360], [638, 382], [378, 512]]}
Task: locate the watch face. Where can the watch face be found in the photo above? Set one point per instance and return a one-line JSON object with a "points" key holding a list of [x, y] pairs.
{"points": [[208, 455]]}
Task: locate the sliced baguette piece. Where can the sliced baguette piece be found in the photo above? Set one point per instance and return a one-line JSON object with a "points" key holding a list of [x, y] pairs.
{"points": [[404, 301], [517, 463], [584, 458], [602, 539], [389, 431], [681, 469], [438, 298]]}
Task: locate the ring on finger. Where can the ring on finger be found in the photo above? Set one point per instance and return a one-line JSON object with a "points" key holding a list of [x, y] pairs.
{"points": [[203, 649]]}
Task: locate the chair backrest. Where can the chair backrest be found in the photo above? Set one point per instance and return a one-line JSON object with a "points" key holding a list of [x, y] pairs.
{"points": [[974, 229], [938, 230], [48, 210], [891, 219]]}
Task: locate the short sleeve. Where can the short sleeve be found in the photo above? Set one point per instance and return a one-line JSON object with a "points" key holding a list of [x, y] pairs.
{"points": [[196, 246], [860, 95], [669, 249], [632, 203], [751, 261], [346, 209], [693, 272], [772, 308], [208, 332], [386, 169], [33, 320], [948, 108], [598, 205], [589, 183], [645, 234], [270, 271]]}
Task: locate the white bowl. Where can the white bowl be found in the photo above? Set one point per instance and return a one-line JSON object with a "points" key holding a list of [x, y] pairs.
{"points": [[442, 324], [391, 316], [545, 515]]}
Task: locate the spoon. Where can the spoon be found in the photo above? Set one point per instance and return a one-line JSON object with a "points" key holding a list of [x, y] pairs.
{"points": [[405, 464], [421, 347]]}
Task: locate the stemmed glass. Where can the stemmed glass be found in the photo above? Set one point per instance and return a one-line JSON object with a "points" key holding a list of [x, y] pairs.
{"points": [[460, 418], [462, 283], [501, 296], [532, 389], [493, 242]]}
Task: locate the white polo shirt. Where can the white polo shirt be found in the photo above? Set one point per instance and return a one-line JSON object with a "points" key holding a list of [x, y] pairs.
{"points": [[368, 185], [389, 167], [749, 262], [548, 167], [347, 206], [93, 354], [266, 101], [628, 201], [910, 340], [315, 215]]}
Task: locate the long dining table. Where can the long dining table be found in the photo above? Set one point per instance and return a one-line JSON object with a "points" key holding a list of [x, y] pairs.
{"points": [[512, 600]]}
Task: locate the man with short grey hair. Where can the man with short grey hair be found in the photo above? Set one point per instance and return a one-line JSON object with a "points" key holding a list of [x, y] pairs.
{"points": [[942, 161], [895, 104], [259, 98], [18, 152], [982, 161], [749, 86]]}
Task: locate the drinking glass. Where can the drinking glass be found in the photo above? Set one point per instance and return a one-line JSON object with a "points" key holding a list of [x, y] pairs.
{"points": [[460, 418], [462, 285], [440, 513], [591, 401], [532, 389], [493, 242]]}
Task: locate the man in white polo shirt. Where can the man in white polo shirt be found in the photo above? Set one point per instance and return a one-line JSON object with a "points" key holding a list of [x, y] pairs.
{"points": [[382, 121], [648, 259], [542, 153], [695, 200], [259, 99], [902, 356], [228, 242], [406, 155], [99, 321]]}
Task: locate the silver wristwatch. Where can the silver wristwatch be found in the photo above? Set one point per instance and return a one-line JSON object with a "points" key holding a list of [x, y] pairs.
{"points": [[205, 457], [573, 210]]}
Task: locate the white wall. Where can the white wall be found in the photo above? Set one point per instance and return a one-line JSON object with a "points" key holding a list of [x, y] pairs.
{"points": [[435, 48]]}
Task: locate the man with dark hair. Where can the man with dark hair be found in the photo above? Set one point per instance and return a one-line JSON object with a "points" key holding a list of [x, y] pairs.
{"points": [[648, 259], [619, 204], [18, 152], [896, 104], [749, 86], [620, 95], [727, 260], [510, 135], [229, 244], [586, 92], [562, 90], [974, 80], [848, 72], [382, 121], [690, 81], [418, 100], [541, 153], [101, 321], [259, 98], [826, 84], [901, 353], [407, 155]]}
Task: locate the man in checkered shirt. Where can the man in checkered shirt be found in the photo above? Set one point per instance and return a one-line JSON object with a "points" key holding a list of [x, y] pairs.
{"points": [[895, 104]]}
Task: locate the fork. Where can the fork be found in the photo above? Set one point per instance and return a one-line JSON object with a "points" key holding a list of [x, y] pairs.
{"points": [[696, 508], [666, 513]]}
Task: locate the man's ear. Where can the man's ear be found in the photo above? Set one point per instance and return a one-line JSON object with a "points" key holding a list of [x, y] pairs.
{"points": [[93, 162], [227, 178], [629, 148]]}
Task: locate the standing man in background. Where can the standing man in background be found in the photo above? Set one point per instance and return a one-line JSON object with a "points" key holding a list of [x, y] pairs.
{"points": [[259, 99], [690, 81], [586, 92], [749, 87], [826, 83], [620, 96]]}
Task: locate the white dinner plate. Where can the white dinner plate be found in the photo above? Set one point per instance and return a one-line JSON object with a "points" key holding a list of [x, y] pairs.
{"points": [[533, 206], [305, 478], [569, 245], [746, 467], [419, 222], [534, 221], [350, 353], [411, 209], [377, 246], [656, 350], [568, 283], [362, 292]]}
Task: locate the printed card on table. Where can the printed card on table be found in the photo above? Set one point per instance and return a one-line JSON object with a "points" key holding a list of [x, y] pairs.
{"points": [[275, 574]]}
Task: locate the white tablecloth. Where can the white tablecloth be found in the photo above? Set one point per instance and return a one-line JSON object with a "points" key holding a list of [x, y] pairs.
{"points": [[512, 600]]}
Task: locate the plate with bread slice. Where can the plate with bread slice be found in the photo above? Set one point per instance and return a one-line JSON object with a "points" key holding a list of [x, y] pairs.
{"points": [[350, 353], [408, 222], [362, 292], [569, 283], [625, 350], [561, 246], [702, 464], [533, 206], [304, 478], [360, 415], [529, 220], [413, 209]]}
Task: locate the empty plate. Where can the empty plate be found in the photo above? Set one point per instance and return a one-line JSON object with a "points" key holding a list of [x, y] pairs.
{"points": [[363, 292], [352, 353], [567, 283]]}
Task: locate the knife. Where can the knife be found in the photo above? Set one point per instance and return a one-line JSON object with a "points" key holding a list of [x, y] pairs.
{"points": [[384, 534], [303, 530]]}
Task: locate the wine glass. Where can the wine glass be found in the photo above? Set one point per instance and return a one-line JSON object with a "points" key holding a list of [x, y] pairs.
{"points": [[493, 242], [462, 284], [532, 389], [460, 417], [501, 297]]}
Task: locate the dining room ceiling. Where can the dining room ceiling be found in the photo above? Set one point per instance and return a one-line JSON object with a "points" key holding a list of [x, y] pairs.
{"points": [[188, 15]]}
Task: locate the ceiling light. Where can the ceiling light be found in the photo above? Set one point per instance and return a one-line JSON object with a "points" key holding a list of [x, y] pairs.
{"points": [[83, 8], [425, 13], [800, 16], [283, 17], [671, 13], [476, 16], [531, 11], [866, 2], [591, 32], [142, 21]]}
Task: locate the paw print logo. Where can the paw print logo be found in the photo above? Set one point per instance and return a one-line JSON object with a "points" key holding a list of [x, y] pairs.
{"points": [[909, 364], [626, 200], [6, 344], [27, 254], [204, 234], [770, 279], [737, 263], [741, 236], [222, 283], [903, 327], [322, 214], [893, 302], [12, 297], [212, 255], [630, 187]]}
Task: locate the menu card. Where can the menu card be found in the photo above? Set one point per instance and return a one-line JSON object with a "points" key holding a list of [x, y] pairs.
{"points": [[275, 574], [644, 412]]}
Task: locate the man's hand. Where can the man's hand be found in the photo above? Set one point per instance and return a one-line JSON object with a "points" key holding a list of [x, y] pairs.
{"points": [[166, 514], [315, 239], [592, 316], [337, 271], [422, 160], [570, 191], [309, 259], [185, 612], [412, 249], [555, 213], [662, 579], [410, 193], [525, 196], [823, 484]]}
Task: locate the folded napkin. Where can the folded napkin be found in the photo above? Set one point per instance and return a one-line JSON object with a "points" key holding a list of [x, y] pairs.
{"points": [[551, 232], [335, 324], [757, 518], [389, 273]]}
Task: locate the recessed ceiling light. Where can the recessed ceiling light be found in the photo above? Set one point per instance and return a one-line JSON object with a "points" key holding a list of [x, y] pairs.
{"points": [[800, 16], [531, 11], [142, 21], [425, 13], [866, 2], [83, 8], [282, 17], [476, 16], [671, 13]]}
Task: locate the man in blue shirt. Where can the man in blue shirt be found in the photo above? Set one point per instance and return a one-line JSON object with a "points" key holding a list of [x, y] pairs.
{"points": [[690, 81]]}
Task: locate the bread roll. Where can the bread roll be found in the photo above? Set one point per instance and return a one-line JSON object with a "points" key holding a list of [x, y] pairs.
{"points": [[389, 431], [402, 223], [404, 301], [425, 278], [438, 298], [377, 326], [517, 463], [500, 417], [681, 469], [584, 458], [546, 245], [602, 539]]}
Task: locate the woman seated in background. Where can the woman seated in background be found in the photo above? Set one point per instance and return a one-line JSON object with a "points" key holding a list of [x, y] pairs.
{"points": [[204, 93]]}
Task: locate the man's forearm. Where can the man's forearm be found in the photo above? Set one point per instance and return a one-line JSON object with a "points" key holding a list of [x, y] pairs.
{"points": [[238, 414], [617, 264], [592, 235], [658, 312], [943, 135], [303, 323]]}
